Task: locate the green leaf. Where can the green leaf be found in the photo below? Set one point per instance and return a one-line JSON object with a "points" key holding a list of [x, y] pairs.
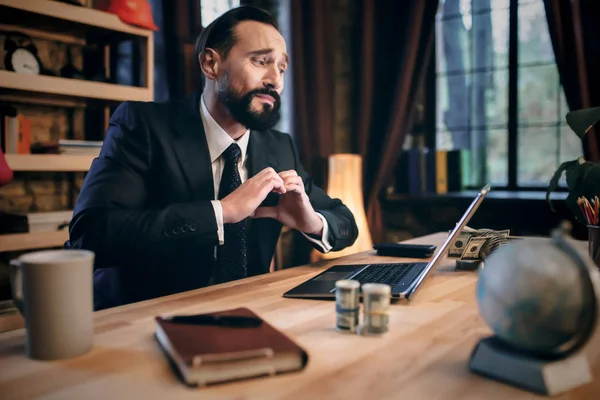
{"points": [[580, 121], [583, 177], [556, 178]]}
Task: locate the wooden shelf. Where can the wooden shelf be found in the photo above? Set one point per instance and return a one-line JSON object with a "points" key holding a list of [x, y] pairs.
{"points": [[37, 240], [57, 88], [55, 20], [11, 321], [49, 162], [67, 19]]}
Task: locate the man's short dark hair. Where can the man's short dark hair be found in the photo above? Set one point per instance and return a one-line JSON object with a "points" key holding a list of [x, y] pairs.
{"points": [[220, 34]]}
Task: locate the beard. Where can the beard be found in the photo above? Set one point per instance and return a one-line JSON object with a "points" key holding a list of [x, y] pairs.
{"points": [[240, 107]]}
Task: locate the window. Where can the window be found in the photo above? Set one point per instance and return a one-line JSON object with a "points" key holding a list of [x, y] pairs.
{"points": [[285, 24], [498, 92], [211, 9]]}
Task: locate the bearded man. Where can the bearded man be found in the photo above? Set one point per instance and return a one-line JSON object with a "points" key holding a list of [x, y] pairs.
{"points": [[186, 194]]}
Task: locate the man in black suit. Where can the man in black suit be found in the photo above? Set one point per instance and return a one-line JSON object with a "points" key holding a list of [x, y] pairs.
{"points": [[189, 193]]}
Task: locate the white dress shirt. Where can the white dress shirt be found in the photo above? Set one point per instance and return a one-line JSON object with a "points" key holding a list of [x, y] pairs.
{"points": [[218, 141]]}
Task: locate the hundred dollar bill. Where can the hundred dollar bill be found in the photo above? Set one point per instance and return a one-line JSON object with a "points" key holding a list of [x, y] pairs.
{"points": [[491, 232], [457, 247], [473, 248]]}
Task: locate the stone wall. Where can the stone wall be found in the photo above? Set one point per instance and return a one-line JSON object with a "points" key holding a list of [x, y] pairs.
{"points": [[44, 191]]}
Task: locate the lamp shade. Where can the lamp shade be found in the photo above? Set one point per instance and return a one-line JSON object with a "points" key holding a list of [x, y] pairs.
{"points": [[345, 183]]}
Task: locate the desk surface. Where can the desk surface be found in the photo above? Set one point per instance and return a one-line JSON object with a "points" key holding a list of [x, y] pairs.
{"points": [[423, 356]]}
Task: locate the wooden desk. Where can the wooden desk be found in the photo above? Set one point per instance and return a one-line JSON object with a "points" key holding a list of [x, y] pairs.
{"points": [[423, 356]]}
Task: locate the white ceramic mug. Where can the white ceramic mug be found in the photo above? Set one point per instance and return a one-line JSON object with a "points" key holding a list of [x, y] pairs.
{"points": [[53, 291]]}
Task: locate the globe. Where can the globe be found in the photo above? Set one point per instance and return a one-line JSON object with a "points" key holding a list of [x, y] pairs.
{"points": [[533, 296]]}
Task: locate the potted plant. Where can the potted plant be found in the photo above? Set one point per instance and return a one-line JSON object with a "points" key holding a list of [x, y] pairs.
{"points": [[583, 177], [583, 180]]}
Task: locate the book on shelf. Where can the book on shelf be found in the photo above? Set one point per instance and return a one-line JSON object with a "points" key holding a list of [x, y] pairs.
{"points": [[11, 223], [15, 131], [50, 221], [47, 221], [205, 353], [431, 171], [79, 147], [8, 307]]}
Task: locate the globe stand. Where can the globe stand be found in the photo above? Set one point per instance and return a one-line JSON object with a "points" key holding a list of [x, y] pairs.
{"points": [[547, 376], [547, 371]]}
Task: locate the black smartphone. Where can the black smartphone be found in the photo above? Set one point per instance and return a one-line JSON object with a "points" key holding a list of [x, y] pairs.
{"points": [[405, 250]]}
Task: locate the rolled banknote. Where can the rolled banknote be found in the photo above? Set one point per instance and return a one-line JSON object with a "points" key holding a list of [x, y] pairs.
{"points": [[376, 304], [347, 305]]}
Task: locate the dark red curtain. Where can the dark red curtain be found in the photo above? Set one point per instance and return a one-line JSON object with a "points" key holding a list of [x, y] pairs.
{"points": [[574, 27], [396, 43], [393, 43], [312, 57]]}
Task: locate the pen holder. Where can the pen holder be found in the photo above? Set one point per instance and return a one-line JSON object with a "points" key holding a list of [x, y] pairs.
{"points": [[594, 243]]}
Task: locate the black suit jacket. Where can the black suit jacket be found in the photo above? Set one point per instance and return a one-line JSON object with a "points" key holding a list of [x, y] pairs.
{"points": [[144, 207]]}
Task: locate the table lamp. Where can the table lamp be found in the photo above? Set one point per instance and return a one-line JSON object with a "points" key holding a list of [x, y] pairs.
{"points": [[345, 183]]}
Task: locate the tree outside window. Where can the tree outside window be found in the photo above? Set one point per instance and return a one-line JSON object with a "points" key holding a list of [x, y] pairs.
{"points": [[211, 9], [476, 81]]}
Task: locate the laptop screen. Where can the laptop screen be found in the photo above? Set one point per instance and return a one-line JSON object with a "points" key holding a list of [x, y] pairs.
{"points": [[455, 232]]}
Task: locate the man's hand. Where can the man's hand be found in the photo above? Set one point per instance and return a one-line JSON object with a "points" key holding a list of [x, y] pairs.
{"points": [[294, 209], [244, 200]]}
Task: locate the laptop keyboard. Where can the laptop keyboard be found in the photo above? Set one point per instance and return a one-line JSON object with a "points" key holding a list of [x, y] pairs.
{"points": [[391, 274]]}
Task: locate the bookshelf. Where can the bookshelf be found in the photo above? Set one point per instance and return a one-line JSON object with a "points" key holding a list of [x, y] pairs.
{"points": [[49, 162], [70, 24], [66, 19], [47, 88], [34, 240]]}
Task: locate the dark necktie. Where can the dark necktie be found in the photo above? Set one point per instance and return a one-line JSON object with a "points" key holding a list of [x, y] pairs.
{"points": [[232, 257]]}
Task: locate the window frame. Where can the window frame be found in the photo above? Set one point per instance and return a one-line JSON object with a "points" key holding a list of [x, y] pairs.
{"points": [[512, 110]]}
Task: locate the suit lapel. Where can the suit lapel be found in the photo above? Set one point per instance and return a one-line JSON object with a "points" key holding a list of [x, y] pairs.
{"points": [[191, 148], [260, 154]]}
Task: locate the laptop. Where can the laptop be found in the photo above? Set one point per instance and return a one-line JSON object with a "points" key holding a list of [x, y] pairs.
{"points": [[404, 278]]}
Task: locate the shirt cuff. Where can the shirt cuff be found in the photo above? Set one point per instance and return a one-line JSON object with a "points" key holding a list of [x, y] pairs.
{"points": [[324, 241], [219, 216]]}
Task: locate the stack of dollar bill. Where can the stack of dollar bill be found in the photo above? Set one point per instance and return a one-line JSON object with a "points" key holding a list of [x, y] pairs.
{"points": [[347, 305], [476, 244], [377, 302]]}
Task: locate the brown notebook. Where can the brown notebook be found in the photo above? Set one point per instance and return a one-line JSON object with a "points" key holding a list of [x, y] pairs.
{"points": [[207, 354]]}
